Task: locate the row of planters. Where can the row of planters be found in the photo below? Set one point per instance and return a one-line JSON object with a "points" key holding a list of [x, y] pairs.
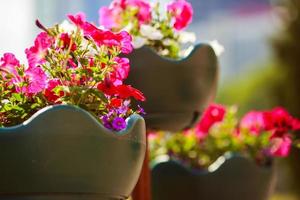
{"points": [[72, 125]]}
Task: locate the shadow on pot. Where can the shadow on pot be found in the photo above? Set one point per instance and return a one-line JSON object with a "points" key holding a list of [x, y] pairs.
{"points": [[177, 91]]}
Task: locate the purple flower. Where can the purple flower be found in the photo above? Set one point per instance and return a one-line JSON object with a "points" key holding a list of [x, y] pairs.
{"points": [[106, 122], [118, 124]]}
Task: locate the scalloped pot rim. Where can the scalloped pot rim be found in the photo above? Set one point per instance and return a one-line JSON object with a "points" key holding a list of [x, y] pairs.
{"points": [[192, 51], [227, 158], [131, 120]]}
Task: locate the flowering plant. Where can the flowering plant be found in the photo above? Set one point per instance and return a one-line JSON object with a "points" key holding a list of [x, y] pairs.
{"points": [[259, 135], [150, 24], [77, 64]]}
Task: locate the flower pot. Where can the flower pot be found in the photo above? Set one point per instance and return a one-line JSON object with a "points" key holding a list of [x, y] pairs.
{"points": [[177, 91], [237, 178], [64, 153]]}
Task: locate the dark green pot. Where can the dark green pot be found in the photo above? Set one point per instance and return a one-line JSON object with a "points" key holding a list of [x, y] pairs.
{"points": [[64, 153], [177, 91], [236, 179]]}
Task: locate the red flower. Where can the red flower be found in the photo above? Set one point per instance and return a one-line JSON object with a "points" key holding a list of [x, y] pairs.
{"points": [[126, 91], [116, 103], [280, 122], [50, 94], [213, 114], [65, 38], [122, 91]]}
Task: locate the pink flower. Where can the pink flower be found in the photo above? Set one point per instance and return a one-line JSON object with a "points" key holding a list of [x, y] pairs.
{"points": [[144, 10], [33, 81], [254, 121], [78, 19], [182, 13], [280, 122], [50, 94], [111, 17], [8, 63], [125, 42], [213, 114], [121, 71], [281, 146], [37, 53]]}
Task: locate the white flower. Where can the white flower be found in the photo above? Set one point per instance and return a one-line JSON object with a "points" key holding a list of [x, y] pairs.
{"points": [[218, 48], [168, 42], [151, 32], [5, 101], [67, 27], [187, 37], [138, 42]]}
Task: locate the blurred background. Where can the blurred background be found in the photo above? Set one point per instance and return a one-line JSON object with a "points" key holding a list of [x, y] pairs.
{"points": [[259, 69]]}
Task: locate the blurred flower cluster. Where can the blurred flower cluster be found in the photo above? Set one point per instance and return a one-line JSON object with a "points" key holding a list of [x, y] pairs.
{"points": [[259, 135], [151, 24], [72, 63]]}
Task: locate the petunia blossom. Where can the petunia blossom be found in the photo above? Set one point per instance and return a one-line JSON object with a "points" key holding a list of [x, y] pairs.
{"points": [[111, 17], [182, 13], [49, 91], [32, 82], [121, 91], [254, 122], [121, 70], [213, 114], [8, 64], [281, 146], [78, 19], [37, 53], [280, 122]]}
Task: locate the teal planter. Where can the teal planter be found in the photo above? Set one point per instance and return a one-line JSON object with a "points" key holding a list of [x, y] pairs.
{"points": [[236, 179], [64, 153], [177, 91]]}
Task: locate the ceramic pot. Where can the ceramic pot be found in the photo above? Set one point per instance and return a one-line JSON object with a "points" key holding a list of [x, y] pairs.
{"points": [[237, 178], [177, 91], [63, 153]]}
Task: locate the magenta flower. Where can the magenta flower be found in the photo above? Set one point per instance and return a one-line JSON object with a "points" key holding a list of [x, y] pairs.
{"points": [[33, 81], [254, 121], [78, 19], [281, 146], [213, 114], [8, 63], [121, 71], [182, 13], [111, 17], [121, 40], [125, 42], [280, 122], [144, 10], [37, 53], [118, 124]]}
